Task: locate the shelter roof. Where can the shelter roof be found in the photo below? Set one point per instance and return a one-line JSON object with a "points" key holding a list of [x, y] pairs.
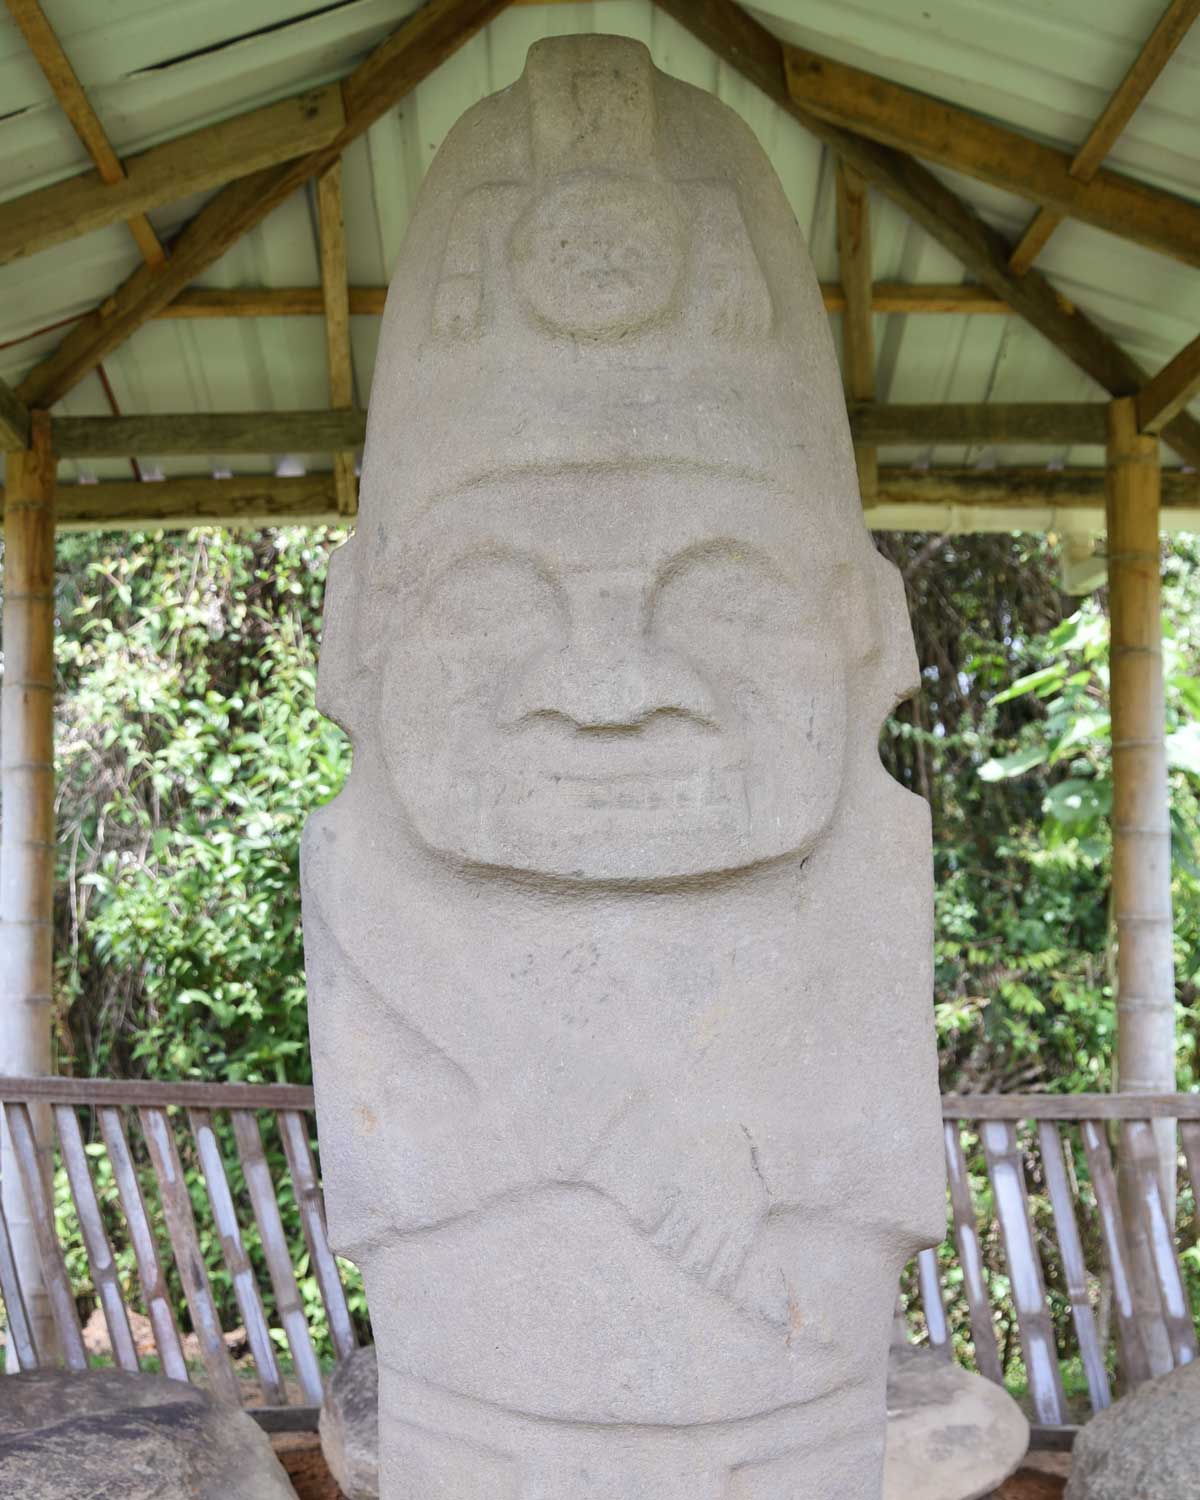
{"points": [[154, 71]]}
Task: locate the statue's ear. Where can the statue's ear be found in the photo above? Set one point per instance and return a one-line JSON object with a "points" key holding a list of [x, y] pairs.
{"points": [[339, 670], [898, 671]]}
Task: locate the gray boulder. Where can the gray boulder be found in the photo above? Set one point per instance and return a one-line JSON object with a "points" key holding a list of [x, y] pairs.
{"points": [[1146, 1445], [349, 1425], [951, 1435], [115, 1435]]}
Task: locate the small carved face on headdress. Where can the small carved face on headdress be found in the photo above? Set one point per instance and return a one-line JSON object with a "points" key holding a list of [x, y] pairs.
{"points": [[597, 691]]}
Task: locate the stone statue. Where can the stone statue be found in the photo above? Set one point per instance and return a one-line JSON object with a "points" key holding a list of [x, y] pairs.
{"points": [[619, 937]]}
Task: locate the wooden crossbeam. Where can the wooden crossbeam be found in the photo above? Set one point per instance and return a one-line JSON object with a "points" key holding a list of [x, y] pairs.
{"points": [[165, 436], [14, 422], [1173, 26], [747, 46], [415, 50], [858, 337], [935, 131], [61, 76], [1162, 399], [303, 301], [971, 496], [336, 298], [991, 423], [1056, 424], [193, 163]]}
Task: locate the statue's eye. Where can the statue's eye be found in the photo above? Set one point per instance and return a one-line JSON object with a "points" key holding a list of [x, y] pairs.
{"points": [[486, 597], [727, 589]]}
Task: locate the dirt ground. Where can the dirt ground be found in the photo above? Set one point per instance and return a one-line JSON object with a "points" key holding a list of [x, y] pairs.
{"points": [[300, 1454]]}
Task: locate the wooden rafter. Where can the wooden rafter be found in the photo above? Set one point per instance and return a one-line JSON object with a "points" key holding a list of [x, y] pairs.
{"points": [[1172, 27], [1162, 399], [193, 163], [265, 500], [901, 118], [336, 299], [415, 50], [1054, 424], [301, 301], [14, 422], [858, 337], [61, 76], [746, 45]]}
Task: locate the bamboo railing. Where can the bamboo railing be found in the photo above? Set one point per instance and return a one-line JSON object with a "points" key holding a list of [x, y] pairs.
{"points": [[1035, 1230]]}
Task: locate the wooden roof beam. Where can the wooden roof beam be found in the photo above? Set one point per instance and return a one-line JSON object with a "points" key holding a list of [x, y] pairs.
{"points": [[954, 499], [858, 335], [746, 45], [1055, 424], [61, 76], [14, 422], [335, 295], [1173, 26], [412, 53], [908, 121], [1162, 399], [193, 163]]}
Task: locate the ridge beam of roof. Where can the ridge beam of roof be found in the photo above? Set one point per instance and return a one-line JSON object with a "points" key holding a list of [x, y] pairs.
{"points": [[944, 499], [418, 46], [15, 426], [193, 163], [909, 121], [335, 294], [748, 47], [1165, 396], [61, 76], [858, 333], [1173, 26]]}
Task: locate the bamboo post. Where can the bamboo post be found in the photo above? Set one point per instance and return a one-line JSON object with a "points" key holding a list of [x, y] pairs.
{"points": [[1141, 860], [27, 825]]}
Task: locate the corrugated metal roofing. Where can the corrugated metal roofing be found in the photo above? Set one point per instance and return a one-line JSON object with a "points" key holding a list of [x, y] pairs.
{"points": [[155, 69]]}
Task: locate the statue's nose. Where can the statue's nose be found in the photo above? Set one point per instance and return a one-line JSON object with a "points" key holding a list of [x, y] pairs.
{"points": [[609, 675]]}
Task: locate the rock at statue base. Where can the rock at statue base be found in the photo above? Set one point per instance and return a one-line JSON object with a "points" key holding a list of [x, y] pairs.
{"points": [[619, 938], [1146, 1446], [115, 1435], [349, 1425], [951, 1435]]}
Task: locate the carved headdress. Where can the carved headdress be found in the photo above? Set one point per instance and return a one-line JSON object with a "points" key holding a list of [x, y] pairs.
{"points": [[594, 292]]}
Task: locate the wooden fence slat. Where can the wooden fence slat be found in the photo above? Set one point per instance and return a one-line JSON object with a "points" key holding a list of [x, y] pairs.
{"points": [[181, 1226], [237, 1262], [275, 1248], [1190, 1131], [1104, 1184], [970, 1256], [14, 1302], [145, 1251], [1074, 1267], [95, 1237], [1142, 1152], [1034, 1324], [1067, 1106], [128, 1091], [930, 1279], [294, 1130], [41, 1209]]}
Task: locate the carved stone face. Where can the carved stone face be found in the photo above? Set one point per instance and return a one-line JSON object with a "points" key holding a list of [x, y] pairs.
{"points": [[624, 675]]}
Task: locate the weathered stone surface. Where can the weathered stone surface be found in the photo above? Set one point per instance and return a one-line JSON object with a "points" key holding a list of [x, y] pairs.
{"points": [[1146, 1446], [349, 1425], [619, 938], [114, 1435], [951, 1435]]}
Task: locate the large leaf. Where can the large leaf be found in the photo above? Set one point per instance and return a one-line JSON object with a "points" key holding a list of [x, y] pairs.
{"points": [[1014, 765]]}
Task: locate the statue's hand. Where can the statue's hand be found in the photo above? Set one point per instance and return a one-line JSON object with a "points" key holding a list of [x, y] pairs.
{"points": [[692, 1186]]}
